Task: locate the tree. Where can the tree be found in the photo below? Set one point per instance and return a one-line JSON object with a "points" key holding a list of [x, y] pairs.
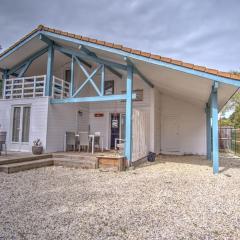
{"points": [[235, 117], [233, 106], [225, 122]]}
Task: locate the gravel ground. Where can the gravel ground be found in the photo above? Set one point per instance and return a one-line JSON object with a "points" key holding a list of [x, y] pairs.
{"points": [[174, 198]]}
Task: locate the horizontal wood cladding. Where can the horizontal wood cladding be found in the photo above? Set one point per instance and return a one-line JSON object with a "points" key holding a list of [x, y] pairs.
{"points": [[111, 162]]}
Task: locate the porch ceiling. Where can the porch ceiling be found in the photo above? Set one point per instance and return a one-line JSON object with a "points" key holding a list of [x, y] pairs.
{"points": [[182, 85]]}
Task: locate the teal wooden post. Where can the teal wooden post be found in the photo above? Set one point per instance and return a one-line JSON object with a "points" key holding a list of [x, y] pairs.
{"points": [[102, 80], [128, 133], [72, 77], [214, 113], [5, 76], [208, 132], [50, 61]]}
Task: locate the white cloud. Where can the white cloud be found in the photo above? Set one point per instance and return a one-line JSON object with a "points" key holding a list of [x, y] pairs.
{"points": [[202, 32]]}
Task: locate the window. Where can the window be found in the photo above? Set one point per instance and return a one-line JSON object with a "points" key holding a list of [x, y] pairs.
{"points": [[16, 124], [68, 75], [21, 124], [26, 124], [139, 95], [109, 87]]}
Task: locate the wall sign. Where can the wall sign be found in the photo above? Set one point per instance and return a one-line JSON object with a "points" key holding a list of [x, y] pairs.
{"points": [[98, 115]]}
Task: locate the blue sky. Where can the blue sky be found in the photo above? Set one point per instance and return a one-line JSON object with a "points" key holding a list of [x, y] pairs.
{"points": [[201, 32]]}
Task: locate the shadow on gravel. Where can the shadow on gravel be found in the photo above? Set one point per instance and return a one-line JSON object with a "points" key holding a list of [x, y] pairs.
{"points": [[226, 161]]}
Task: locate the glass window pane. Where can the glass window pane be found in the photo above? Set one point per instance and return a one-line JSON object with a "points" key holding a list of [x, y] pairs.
{"points": [[16, 124], [123, 125], [26, 124]]}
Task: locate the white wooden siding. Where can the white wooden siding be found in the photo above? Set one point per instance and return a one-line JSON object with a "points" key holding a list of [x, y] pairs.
{"points": [[38, 121], [192, 128], [62, 118], [140, 146]]}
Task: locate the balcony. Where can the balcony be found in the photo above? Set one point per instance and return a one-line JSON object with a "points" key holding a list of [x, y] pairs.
{"points": [[32, 87]]}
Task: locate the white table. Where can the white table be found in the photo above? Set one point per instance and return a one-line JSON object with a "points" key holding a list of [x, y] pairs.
{"points": [[91, 138]]}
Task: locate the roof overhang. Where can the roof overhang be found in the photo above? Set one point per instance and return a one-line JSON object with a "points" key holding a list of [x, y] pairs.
{"points": [[188, 84]]}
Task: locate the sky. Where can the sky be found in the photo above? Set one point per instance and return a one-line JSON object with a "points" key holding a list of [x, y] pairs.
{"points": [[203, 32]]}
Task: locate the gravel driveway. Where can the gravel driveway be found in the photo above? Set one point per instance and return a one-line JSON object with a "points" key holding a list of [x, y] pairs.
{"points": [[175, 198]]}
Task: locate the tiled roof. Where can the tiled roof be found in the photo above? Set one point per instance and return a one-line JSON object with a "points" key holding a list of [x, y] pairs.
{"points": [[128, 50]]}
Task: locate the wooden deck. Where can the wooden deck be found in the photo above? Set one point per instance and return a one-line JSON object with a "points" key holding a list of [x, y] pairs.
{"points": [[17, 161]]}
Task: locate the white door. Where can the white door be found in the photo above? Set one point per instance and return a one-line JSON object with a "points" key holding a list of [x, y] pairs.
{"points": [[171, 135], [20, 127]]}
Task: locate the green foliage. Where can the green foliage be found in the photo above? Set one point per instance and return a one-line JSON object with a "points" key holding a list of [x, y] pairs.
{"points": [[233, 105], [225, 122], [235, 117]]}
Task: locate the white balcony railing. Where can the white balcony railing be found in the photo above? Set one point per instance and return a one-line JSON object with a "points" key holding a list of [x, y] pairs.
{"points": [[25, 87], [60, 88], [31, 87]]}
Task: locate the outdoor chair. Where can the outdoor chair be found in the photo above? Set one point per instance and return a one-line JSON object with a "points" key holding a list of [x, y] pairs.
{"points": [[119, 145], [97, 136], [3, 137], [83, 141], [70, 141]]}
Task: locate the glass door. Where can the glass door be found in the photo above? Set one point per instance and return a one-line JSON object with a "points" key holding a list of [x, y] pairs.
{"points": [[122, 125], [118, 121], [21, 124], [25, 124], [16, 124], [115, 127]]}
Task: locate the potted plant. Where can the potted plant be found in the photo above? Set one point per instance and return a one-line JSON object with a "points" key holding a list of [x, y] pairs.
{"points": [[37, 147]]}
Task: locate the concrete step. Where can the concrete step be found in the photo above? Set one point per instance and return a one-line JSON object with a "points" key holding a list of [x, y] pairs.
{"points": [[76, 163], [22, 166], [24, 159]]}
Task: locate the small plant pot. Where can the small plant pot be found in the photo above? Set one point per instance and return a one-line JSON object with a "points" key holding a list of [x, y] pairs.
{"points": [[37, 150]]}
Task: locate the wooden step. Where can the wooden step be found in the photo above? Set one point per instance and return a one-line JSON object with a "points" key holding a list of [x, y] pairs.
{"points": [[73, 156], [75, 163], [22, 166], [24, 159]]}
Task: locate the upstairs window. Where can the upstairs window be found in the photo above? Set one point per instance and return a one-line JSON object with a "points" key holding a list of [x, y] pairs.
{"points": [[109, 87]]}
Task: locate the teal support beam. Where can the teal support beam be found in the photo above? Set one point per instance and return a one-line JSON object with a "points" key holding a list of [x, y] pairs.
{"points": [[25, 68], [5, 76], [138, 72], [102, 79], [208, 132], [92, 99], [85, 62], [90, 58], [45, 39], [215, 141], [89, 78], [13, 74], [51, 42], [50, 61], [128, 129], [72, 77], [27, 60], [90, 53]]}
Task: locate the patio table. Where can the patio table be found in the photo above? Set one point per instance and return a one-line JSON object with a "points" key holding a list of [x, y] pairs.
{"points": [[91, 138]]}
